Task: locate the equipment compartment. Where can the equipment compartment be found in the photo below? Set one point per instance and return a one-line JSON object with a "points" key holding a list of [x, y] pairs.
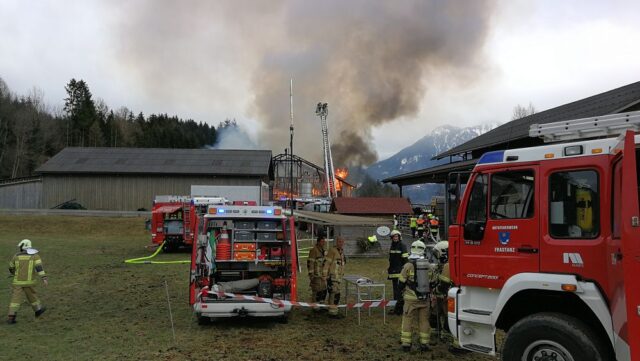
{"points": [[265, 236], [243, 236]]}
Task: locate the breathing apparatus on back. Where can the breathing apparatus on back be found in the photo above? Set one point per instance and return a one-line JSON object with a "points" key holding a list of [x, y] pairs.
{"points": [[421, 266]]}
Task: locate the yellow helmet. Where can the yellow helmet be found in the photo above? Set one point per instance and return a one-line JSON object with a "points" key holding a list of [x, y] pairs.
{"points": [[24, 244]]}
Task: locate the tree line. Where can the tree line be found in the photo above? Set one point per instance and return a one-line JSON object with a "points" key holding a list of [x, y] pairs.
{"points": [[31, 132]]}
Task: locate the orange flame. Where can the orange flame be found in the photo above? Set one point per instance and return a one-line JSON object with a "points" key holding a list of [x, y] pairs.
{"points": [[341, 173]]}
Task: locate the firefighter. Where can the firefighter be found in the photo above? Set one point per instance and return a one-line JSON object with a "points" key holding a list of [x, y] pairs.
{"points": [[434, 228], [397, 258], [413, 224], [416, 298], [23, 266], [420, 223], [332, 274], [441, 251], [315, 263]]}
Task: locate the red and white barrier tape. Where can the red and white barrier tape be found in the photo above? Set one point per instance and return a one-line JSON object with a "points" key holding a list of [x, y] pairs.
{"points": [[282, 303]]}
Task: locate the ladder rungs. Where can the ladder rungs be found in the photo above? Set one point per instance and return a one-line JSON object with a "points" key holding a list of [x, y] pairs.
{"points": [[601, 126]]}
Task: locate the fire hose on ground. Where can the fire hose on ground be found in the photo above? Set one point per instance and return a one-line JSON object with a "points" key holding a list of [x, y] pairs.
{"points": [[146, 260]]}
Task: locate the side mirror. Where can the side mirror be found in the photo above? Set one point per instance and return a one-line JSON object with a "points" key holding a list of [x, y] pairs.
{"points": [[474, 231]]}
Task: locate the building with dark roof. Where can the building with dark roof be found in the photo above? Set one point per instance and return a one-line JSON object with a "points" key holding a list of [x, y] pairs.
{"points": [[128, 179], [514, 134]]}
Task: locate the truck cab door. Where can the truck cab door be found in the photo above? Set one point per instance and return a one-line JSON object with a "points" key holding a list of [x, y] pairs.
{"points": [[627, 326], [501, 228]]}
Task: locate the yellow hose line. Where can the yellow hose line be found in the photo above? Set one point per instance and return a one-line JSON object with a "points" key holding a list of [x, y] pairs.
{"points": [[145, 260]]}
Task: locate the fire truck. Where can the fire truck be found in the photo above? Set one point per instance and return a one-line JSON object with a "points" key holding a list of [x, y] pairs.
{"points": [[243, 250], [546, 246], [174, 219]]}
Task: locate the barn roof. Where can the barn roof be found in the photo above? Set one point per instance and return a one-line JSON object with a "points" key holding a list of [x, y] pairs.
{"points": [[612, 101], [159, 161], [371, 205]]}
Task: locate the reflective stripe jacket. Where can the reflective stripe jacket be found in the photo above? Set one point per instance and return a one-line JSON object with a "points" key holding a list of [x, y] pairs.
{"points": [[413, 222], [23, 266], [334, 265], [397, 258], [407, 276], [315, 262]]}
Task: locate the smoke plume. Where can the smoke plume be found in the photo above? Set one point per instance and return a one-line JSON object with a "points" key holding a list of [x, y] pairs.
{"points": [[371, 61]]}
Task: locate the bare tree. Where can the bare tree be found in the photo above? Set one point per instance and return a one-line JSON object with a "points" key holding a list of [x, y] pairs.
{"points": [[520, 112]]}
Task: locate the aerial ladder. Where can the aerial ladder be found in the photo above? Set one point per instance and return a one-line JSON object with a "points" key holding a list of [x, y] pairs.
{"points": [[322, 110]]}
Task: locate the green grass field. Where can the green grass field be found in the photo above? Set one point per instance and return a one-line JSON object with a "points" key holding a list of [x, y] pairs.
{"points": [[100, 308]]}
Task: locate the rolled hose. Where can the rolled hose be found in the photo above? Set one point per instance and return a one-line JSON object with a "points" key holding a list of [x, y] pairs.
{"points": [[145, 260]]}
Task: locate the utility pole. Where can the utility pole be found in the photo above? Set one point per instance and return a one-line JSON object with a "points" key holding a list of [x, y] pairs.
{"points": [[291, 143]]}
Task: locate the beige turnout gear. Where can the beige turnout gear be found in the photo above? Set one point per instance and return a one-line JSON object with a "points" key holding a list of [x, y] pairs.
{"points": [[315, 263], [24, 266], [414, 310], [333, 272]]}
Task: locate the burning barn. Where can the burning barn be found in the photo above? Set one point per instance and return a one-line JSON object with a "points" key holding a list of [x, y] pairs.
{"points": [[309, 180]]}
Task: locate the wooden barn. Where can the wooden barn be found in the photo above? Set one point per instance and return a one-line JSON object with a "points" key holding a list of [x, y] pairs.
{"points": [[127, 179]]}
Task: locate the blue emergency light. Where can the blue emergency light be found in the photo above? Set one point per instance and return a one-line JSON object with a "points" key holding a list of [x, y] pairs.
{"points": [[221, 210]]}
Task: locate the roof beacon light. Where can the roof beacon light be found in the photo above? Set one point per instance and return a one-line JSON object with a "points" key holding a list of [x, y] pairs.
{"points": [[221, 210], [269, 211], [213, 210], [573, 150], [278, 212]]}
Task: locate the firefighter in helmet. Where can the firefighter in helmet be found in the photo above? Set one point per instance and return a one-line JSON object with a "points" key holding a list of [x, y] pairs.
{"points": [[434, 228], [315, 263], [333, 273], [23, 266], [397, 258], [415, 279], [420, 224], [443, 283]]}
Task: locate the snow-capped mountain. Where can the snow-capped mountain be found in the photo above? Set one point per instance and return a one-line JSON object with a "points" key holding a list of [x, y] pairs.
{"points": [[418, 156]]}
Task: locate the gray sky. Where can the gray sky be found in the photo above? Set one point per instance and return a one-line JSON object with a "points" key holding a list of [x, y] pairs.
{"points": [[456, 62]]}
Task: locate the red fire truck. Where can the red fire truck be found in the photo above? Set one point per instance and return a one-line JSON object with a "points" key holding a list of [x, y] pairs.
{"points": [[174, 219], [547, 246], [244, 250]]}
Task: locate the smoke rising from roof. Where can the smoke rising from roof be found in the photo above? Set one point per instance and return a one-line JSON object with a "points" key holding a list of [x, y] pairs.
{"points": [[370, 60]]}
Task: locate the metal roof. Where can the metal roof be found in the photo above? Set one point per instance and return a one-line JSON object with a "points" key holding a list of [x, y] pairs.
{"points": [[334, 219], [159, 161], [612, 101], [435, 174], [371, 205]]}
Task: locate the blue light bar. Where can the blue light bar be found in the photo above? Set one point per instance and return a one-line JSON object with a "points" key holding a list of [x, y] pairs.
{"points": [[269, 211], [221, 210], [492, 157]]}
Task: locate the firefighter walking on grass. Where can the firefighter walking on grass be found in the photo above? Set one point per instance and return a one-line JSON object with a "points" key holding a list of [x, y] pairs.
{"points": [[333, 273], [23, 266], [397, 258], [315, 264], [415, 280]]}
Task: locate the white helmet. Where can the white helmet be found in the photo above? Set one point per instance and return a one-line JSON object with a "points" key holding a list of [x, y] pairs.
{"points": [[441, 250], [24, 244], [394, 233], [417, 249]]}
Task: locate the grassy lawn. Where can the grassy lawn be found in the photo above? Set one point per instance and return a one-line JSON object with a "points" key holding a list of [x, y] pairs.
{"points": [[102, 309]]}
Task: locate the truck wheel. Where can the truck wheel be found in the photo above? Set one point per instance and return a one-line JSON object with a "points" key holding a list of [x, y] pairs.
{"points": [[552, 337], [203, 321]]}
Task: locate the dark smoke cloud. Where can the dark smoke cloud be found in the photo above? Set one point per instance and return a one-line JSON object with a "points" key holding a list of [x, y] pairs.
{"points": [[370, 60]]}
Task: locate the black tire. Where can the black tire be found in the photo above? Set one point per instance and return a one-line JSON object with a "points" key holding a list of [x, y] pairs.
{"points": [[555, 335], [284, 319], [203, 321]]}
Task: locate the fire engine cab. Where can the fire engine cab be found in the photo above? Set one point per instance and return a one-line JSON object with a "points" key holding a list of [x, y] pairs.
{"points": [[546, 246], [174, 219], [244, 250]]}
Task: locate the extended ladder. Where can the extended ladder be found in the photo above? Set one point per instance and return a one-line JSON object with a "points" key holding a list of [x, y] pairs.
{"points": [[593, 127]]}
